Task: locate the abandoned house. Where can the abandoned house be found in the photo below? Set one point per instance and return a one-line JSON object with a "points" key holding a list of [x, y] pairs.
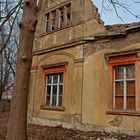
{"points": [[84, 75]]}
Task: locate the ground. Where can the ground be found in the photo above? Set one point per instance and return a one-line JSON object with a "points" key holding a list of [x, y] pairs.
{"points": [[36, 132]]}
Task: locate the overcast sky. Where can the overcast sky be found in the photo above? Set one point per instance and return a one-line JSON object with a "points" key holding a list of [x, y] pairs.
{"points": [[109, 17]]}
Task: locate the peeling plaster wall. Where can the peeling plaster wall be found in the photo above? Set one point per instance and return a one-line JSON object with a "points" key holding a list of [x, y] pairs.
{"points": [[85, 21], [96, 85]]}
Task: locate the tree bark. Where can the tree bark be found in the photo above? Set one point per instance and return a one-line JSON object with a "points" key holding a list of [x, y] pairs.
{"points": [[1, 75], [18, 113]]}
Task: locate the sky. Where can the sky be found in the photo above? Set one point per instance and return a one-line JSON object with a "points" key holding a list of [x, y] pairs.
{"points": [[110, 17]]}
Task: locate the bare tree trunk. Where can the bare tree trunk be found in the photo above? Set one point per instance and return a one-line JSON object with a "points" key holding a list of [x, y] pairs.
{"points": [[1, 75], [1, 93], [18, 113]]}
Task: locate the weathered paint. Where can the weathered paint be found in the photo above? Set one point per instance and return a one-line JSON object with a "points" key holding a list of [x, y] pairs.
{"points": [[86, 97]]}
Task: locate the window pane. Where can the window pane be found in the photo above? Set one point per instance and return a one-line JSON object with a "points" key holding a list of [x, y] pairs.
{"points": [[131, 103], [47, 16], [119, 88], [53, 14], [53, 20], [48, 100], [61, 77], [130, 71], [47, 22], [61, 21], [60, 89], [48, 90], [49, 79], [60, 101], [130, 87], [61, 10], [47, 26], [68, 8], [55, 78], [53, 24], [53, 100], [119, 72], [119, 103], [68, 14], [54, 90]]}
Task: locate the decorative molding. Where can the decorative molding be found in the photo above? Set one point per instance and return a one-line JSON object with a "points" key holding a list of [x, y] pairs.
{"points": [[33, 68], [119, 53], [57, 6], [60, 47], [54, 65], [79, 60], [56, 53]]}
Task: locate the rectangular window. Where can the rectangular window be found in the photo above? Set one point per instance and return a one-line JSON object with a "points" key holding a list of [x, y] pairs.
{"points": [[54, 89], [58, 18], [124, 83], [54, 80], [50, 21], [124, 87]]}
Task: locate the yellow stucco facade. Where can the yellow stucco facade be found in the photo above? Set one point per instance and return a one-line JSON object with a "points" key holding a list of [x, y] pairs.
{"points": [[84, 48]]}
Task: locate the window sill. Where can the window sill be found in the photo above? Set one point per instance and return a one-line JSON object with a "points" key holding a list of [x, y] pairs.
{"points": [[127, 113], [56, 30], [52, 108]]}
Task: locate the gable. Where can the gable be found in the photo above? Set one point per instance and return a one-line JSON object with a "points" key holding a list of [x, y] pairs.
{"points": [[80, 19]]}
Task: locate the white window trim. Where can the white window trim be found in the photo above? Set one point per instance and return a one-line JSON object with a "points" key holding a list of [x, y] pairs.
{"points": [[124, 80], [58, 84]]}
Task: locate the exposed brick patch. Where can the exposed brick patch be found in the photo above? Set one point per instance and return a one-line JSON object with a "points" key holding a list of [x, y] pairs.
{"points": [[121, 27], [116, 121], [96, 14], [117, 44]]}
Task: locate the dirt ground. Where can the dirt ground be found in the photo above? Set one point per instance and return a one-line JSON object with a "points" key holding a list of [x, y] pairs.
{"points": [[36, 132]]}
